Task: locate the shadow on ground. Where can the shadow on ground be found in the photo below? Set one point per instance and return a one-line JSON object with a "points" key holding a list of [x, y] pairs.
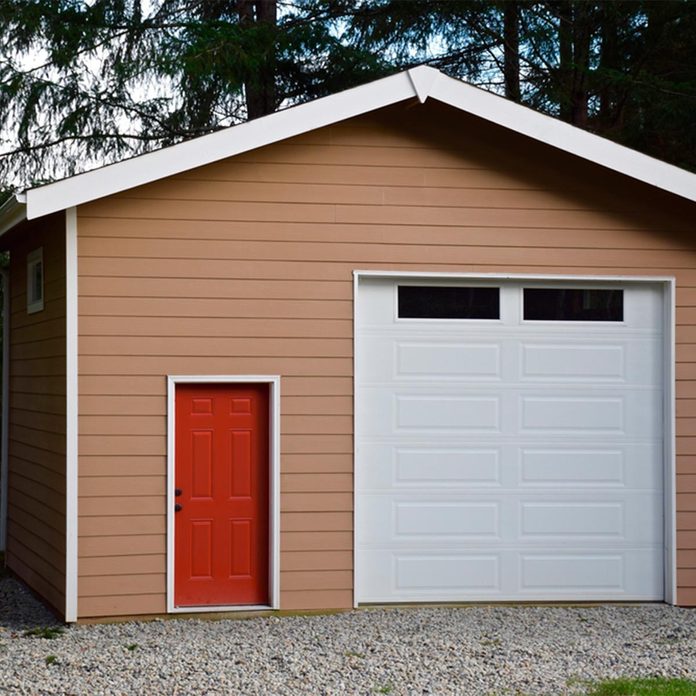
{"points": [[20, 610]]}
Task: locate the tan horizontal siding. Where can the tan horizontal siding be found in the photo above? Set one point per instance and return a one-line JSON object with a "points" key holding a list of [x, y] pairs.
{"points": [[35, 572], [340, 270], [117, 506], [246, 266], [121, 565], [121, 605], [366, 234], [36, 528], [132, 584], [360, 253], [310, 541], [316, 560], [123, 525], [316, 599]]}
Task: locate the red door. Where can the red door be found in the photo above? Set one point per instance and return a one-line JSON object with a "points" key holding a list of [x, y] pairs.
{"points": [[221, 479]]}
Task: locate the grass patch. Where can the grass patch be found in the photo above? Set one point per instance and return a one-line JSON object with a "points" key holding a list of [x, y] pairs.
{"points": [[350, 653], [51, 659], [132, 646], [49, 632], [654, 686]]}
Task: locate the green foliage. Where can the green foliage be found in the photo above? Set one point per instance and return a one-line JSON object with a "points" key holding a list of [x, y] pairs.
{"points": [[88, 82], [655, 686], [131, 647], [85, 82], [48, 632], [51, 659]]}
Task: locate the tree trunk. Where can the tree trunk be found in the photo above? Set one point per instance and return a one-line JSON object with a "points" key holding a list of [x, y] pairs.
{"points": [[259, 88], [574, 36], [582, 32], [565, 53], [511, 41], [608, 65]]}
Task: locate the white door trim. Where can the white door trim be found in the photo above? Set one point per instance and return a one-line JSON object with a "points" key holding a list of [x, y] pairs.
{"points": [[273, 494], [669, 435]]}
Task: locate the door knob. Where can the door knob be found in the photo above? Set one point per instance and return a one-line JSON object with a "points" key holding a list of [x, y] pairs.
{"points": [[177, 492], [178, 507]]}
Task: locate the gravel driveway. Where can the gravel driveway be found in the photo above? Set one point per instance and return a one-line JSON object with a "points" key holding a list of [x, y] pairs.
{"points": [[469, 650]]}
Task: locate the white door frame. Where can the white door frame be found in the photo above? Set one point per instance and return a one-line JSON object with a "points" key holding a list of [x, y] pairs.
{"points": [[669, 415], [273, 382]]}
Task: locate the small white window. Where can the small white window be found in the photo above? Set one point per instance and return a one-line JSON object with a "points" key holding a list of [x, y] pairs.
{"points": [[35, 281]]}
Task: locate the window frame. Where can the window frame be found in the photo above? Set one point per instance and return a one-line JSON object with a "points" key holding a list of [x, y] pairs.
{"points": [[571, 322], [34, 303], [491, 285]]}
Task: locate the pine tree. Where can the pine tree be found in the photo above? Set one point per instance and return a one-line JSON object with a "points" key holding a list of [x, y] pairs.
{"points": [[83, 82]]}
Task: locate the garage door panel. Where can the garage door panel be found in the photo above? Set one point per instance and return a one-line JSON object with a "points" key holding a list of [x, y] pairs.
{"points": [[636, 362], [476, 463], [558, 574], [431, 359], [510, 575], [626, 465], [629, 414], [424, 466], [529, 519], [402, 520], [436, 412], [435, 576], [608, 412], [632, 518], [414, 361]]}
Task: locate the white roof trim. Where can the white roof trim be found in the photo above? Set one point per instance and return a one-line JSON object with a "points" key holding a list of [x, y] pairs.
{"points": [[12, 212], [422, 82], [219, 145], [563, 136]]}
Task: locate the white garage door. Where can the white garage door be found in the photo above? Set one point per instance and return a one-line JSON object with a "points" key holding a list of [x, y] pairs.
{"points": [[508, 441]]}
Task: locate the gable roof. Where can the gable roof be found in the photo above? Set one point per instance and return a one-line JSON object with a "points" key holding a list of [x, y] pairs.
{"points": [[422, 83]]}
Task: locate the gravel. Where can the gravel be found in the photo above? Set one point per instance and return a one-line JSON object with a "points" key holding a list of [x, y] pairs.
{"points": [[465, 650]]}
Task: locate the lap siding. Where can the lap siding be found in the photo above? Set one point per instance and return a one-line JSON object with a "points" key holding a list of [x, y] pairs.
{"points": [[36, 521], [245, 267]]}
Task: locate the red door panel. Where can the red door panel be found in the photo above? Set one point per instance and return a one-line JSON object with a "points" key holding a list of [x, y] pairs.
{"points": [[221, 476]]}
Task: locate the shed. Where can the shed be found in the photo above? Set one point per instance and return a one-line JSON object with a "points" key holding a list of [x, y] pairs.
{"points": [[407, 343]]}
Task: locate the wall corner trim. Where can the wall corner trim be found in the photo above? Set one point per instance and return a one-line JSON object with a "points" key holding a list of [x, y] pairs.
{"points": [[5, 441], [71, 425]]}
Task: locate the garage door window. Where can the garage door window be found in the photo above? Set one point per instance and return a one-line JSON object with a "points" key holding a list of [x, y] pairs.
{"points": [[573, 304], [443, 302]]}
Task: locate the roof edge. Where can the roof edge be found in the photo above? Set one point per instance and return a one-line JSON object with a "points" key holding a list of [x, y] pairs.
{"points": [[422, 82], [12, 212], [224, 143], [565, 137]]}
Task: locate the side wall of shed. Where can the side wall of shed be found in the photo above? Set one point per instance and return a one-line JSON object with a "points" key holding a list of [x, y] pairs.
{"points": [[36, 480], [245, 267]]}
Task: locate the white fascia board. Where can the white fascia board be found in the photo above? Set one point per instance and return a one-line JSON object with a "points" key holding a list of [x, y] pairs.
{"points": [[563, 136], [12, 212], [216, 146]]}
